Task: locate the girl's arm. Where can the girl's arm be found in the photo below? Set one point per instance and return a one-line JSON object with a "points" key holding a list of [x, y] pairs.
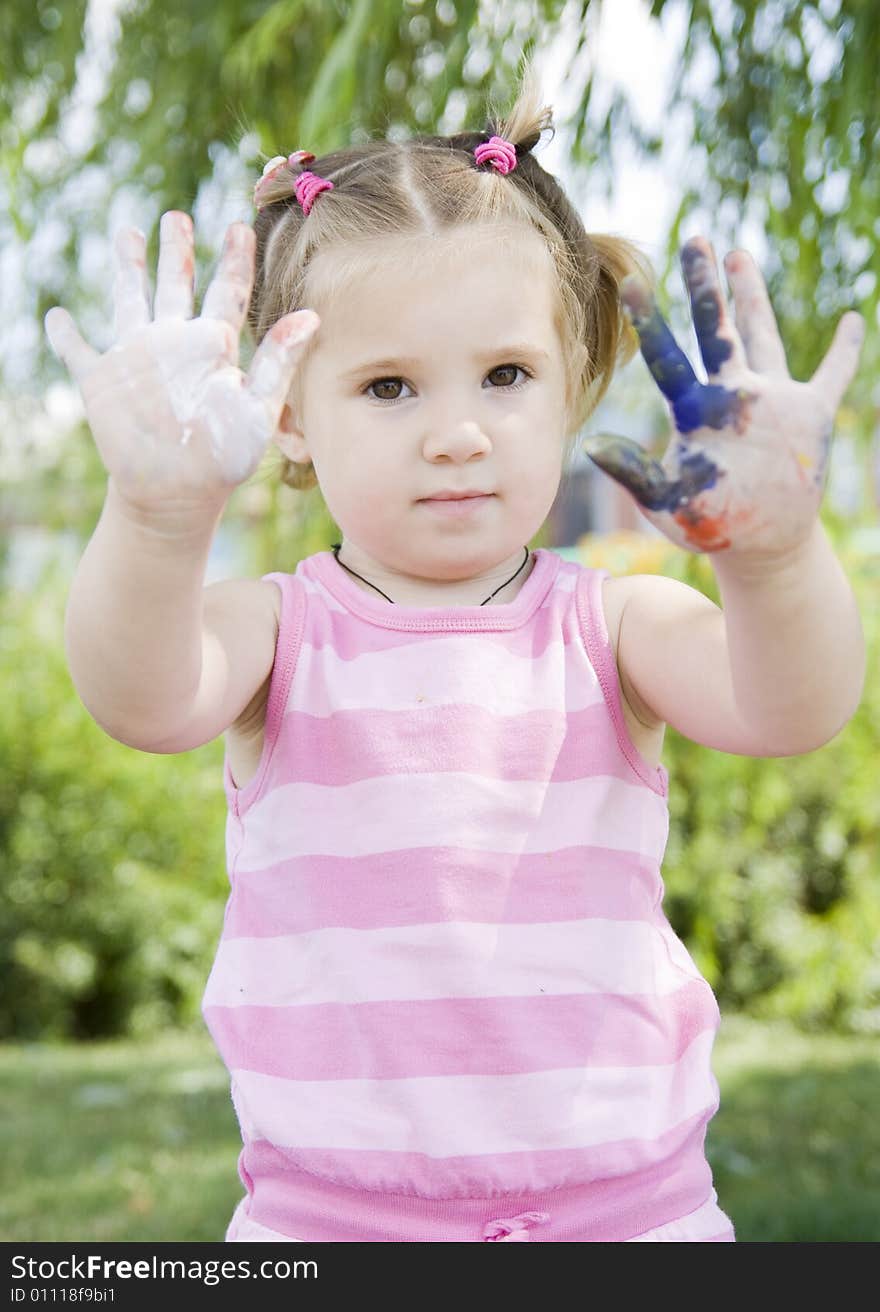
{"points": [[780, 668], [160, 662], [133, 624], [779, 671]]}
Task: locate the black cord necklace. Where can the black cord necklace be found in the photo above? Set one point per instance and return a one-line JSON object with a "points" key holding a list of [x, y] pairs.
{"points": [[337, 547]]}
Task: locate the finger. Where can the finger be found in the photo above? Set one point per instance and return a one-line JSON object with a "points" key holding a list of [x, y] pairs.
{"points": [[131, 290], [644, 477], [230, 289], [174, 278], [718, 340], [667, 362], [755, 320], [629, 464], [277, 357], [837, 370], [77, 356]]}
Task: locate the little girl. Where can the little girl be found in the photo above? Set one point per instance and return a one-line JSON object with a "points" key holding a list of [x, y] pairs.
{"points": [[448, 996]]}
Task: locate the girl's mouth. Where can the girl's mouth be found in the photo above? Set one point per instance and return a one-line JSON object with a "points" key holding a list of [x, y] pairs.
{"points": [[457, 507]]}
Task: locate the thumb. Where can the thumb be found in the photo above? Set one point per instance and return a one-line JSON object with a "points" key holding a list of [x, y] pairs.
{"points": [[67, 344], [630, 465], [837, 370], [277, 357]]}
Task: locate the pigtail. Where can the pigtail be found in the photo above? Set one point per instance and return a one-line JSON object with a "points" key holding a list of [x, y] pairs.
{"points": [[524, 124], [612, 340]]}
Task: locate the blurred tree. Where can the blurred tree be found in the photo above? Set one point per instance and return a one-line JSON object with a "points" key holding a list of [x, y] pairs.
{"points": [[782, 100], [780, 97], [786, 126], [253, 77]]}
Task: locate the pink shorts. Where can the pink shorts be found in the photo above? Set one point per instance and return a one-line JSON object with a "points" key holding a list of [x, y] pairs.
{"points": [[708, 1224]]}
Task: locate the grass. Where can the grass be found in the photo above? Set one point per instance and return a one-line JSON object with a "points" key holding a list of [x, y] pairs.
{"points": [[795, 1145], [137, 1141]]}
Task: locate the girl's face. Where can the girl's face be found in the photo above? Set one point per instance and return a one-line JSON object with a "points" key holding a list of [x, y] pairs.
{"points": [[431, 374]]}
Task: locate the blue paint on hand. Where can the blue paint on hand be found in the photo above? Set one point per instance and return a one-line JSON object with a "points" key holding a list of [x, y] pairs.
{"points": [[697, 472], [707, 405], [706, 305], [668, 364]]}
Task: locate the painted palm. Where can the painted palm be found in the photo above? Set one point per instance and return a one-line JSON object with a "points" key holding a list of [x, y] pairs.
{"points": [[745, 467]]}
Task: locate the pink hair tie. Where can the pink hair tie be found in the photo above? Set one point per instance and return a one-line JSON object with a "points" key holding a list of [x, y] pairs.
{"points": [[501, 154], [308, 186], [273, 166]]}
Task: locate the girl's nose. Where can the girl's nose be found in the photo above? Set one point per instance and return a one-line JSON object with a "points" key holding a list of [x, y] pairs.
{"points": [[457, 440]]}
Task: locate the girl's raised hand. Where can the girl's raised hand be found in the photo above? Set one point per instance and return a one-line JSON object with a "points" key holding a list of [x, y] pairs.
{"points": [[745, 470], [176, 422]]}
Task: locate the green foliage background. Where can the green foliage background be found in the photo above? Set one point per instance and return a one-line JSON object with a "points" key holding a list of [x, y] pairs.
{"points": [[776, 100], [112, 874]]}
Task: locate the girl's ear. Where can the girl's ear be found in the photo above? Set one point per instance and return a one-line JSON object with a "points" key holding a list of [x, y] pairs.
{"points": [[289, 438]]}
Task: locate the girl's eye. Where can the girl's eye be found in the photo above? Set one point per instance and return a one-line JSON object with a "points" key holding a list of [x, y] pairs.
{"points": [[382, 386], [509, 373]]}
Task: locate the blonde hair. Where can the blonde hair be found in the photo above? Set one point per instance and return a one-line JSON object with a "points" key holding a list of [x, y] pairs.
{"points": [[431, 185]]}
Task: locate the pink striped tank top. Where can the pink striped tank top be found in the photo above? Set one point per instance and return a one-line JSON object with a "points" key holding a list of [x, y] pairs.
{"points": [[449, 1000]]}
